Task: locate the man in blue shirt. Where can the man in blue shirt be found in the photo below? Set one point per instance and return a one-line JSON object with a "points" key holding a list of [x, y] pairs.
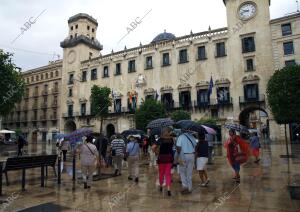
{"points": [[185, 145], [132, 152]]}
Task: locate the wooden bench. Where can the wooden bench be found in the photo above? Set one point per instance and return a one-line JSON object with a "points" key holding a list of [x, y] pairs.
{"points": [[29, 162]]}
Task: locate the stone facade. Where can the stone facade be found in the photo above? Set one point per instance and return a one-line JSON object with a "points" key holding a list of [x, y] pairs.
{"points": [[179, 71]]}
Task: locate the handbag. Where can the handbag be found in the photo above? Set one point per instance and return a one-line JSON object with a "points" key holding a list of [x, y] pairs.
{"points": [[241, 157]]}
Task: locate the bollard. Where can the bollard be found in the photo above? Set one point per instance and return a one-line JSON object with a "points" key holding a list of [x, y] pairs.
{"points": [[42, 176], [59, 170], [74, 167], [1, 172]]}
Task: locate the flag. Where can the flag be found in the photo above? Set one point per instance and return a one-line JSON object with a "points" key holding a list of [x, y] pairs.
{"points": [[211, 85], [156, 95]]}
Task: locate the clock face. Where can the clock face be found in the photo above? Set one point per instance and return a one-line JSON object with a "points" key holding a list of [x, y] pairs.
{"points": [[247, 11], [71, 57]]}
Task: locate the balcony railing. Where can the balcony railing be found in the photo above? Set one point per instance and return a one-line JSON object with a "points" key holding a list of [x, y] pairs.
{"points": [[55, 90], [53, 117], [70, 114], [198, 104], [220, 102], [181, 105], [44, 92], [44, 105], [33, 118], [258, 99]]}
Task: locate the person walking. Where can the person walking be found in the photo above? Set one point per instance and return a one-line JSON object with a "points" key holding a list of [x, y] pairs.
{"points": [[185, 145], [255, 146], [21, 143], [202, 154], [210, 139], [118, 151], [164, 150], [89, 160], [132, 153], [102, 144], [237, 153], [64, 146], [152, 141]]}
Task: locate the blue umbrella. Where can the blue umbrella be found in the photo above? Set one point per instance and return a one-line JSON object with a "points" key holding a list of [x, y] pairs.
{"points": [[76, 136], [190, 125]]}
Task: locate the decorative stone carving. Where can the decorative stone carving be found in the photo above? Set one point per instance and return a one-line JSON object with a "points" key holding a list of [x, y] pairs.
{"points": [[250, 78], [70, 102], [222, 82], [149, 91], [82, 100], [202, 85], [166, 89], [140, 81]]}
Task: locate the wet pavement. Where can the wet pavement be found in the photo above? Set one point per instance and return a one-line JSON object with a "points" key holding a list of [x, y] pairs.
{"points": [[263, 188]]}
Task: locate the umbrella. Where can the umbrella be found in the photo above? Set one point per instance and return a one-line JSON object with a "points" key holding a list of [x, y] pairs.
{"points": [[77, 135], [126, 133], [7, 132], [190, 125], [209, 130], [236, 127], [157, 124]]}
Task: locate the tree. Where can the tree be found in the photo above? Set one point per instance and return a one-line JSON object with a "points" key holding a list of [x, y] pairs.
{"points": [[283, 93], [180, 115], [149, 110], [12, 85], [100, 101]]}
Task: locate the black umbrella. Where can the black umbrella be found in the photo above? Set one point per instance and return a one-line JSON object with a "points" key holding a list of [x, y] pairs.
{"points": [[126, 133], [157, 124], [190, 125]]}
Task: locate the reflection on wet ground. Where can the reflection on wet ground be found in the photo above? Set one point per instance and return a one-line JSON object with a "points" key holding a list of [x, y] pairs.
{"points": [[263, 187]]}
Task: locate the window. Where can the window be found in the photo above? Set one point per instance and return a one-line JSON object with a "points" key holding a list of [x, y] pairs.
{"points": [[118, 105], [47, 76], [183, 56], [214, 113], [56, 73], [51, 74], [249, 65], [290, 62], [71, 36], [76, 26], [118, 68], [37, 78], [27, 80], [42, 76], [83, 109], [223, 94], [83, 76], [131, 66], [201, 53], [166, 59], [248, 44], [203, 97], [56, 86], [251, 92], [70, 110], [71, 79], [105, 72], [286, 29], [149, 62], [70, 92], [75, 35], [88, 27], [93, 29], [288, 48], [71, 27], [220, 48], [32, 78], [93, 74]]}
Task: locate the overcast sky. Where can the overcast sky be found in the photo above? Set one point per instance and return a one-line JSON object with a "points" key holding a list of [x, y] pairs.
{"points": [[50, 28]]}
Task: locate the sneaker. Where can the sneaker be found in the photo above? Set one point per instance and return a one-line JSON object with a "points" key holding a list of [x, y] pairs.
{"points": [[257, 161], [116, 172], [136, 180], [203, 184], [160, 188], [207, 181]]}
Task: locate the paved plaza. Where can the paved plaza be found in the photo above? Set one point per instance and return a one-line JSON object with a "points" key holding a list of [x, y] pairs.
{"points": [[263, 188]]}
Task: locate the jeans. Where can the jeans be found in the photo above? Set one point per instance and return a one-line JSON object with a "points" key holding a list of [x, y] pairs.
{"points": [[186, 171], [64, 155]]}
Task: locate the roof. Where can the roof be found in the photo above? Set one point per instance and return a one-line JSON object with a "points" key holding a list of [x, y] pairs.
{"points": [[165, 36], [285, 18], [82, 16], [226, 0]]}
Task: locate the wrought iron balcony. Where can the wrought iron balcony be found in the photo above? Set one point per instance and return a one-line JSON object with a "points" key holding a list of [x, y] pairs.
{"points": [[246, 100]]}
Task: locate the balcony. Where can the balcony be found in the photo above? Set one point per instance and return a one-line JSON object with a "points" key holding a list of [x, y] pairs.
{"points": [[201, 105], [44, 105], [260, 99], [35, 106], [70, 114], [218, 102], [43, 117], [44, 92], [54, 104], [180, 105], [55, 90], [35, 94], [169, 105]]}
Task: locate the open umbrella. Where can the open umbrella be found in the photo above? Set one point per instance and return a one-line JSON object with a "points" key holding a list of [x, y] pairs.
{"points": [[190, 125], [76, 136], [157, 124], [126, 133], [209, 130], [236, 127]]}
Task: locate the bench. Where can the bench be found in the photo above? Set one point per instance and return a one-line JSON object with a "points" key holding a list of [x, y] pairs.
{"points": [[29, 162]]}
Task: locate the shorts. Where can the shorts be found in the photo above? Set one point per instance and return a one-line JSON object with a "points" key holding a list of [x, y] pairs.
{"points": [[201, 163], [255, 152], [236, 166]]}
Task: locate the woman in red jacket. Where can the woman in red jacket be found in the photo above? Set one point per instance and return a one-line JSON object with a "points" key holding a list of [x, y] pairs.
{"points": [[237, 153]]}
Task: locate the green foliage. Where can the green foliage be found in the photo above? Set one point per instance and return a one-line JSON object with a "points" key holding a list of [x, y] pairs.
{"points": [[180, 115], [100, 101], [283, 92], [207, 121], [149, 110], [12, 85]]}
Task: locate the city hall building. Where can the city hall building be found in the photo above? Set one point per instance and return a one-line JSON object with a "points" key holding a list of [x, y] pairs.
{"points": [[234, 62]]}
